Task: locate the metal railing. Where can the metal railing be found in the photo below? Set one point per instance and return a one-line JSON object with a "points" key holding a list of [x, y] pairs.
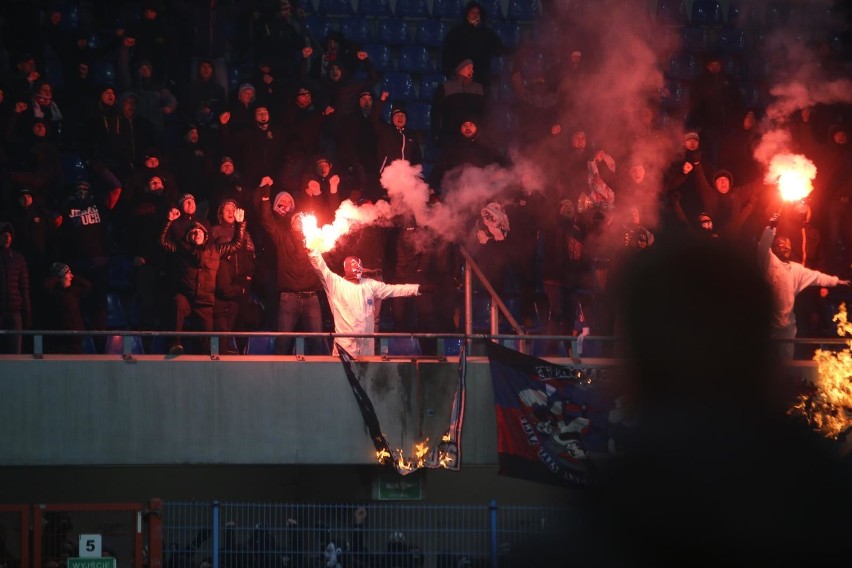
{"points": [[278, 535]]}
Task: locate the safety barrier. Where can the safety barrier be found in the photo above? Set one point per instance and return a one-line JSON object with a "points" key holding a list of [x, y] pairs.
{"points": [[242, 535]]}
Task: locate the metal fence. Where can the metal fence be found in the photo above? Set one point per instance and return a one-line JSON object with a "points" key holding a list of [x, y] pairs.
{"points": [[395, 535]]}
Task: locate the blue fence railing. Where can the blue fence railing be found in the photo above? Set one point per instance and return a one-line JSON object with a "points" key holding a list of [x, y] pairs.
{"points": [[387, 535]]}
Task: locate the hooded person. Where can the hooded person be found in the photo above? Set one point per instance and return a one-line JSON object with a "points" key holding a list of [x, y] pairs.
{"points": [[352, 298], [466, 149], [65, 292], [730, 206], [472, 39], [233, 279], [458, 98], [196, 263], [294, 289]]}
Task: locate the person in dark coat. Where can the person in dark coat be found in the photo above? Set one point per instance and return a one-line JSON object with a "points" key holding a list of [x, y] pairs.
{"points": [[472, 39], [232, 306], [65, 293], [198, 259], [15, 306], [297, 286]]}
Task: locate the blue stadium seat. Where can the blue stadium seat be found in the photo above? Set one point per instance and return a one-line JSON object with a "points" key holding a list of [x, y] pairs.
{"points": [[415, 59], [509, 33], [374, 8], [453, 346], [493, 10], [696, 39], [70, 12], [502, 65], [412, 9], [732, 40], [53, 73], [523, 10], [502, 90], [504, 116], [672, 94], [683, 66], [481, 316], [336, 7], [431, 33], [380, 55], [707, 13], [89, 345], [260, 345], [419, 115], [385, 116], [121, 272], [393, 32], [429, 84], [103, 73], [115, 345], [318, 26], [404, 346], [73, 167], [447, 9], [738, 12], [358, 30], [671, 13], [116, 313], [399, 86]]}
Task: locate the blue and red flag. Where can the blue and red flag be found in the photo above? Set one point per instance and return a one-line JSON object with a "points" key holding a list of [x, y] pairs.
{"points": [[555, 423]]}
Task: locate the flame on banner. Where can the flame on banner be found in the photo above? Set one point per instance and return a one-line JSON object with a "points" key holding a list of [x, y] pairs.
{"points": [[829, 408], [424, 456], [794, 175]]}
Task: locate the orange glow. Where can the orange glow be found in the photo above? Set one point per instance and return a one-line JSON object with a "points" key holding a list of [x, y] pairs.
{"points": [[829, 408], [794, 175], [424, 456]]}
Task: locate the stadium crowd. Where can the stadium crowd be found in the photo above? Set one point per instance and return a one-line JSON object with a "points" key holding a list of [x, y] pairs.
{"points": [[156, 159]]}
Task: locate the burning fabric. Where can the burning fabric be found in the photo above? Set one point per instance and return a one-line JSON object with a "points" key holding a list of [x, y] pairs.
{"points": [[414, 421], [828, 408]]}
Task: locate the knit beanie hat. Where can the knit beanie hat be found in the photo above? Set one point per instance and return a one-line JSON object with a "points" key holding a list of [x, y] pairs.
{"points": [[59, 269]]}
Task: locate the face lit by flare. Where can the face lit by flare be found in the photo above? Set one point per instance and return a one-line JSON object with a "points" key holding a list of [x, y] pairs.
{"points": [[353, 268]]}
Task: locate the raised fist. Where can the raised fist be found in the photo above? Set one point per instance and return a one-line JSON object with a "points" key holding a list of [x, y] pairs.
{"points": [[362, 55], [307, 52], [687, 167], [266, 181], [313, 188], [333, 182], [225, 118], [773, 221], [173, 214]]}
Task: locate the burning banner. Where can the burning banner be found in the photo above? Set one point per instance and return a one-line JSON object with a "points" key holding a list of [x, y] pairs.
{"points": [[828, 408], [415, 420], [554, 423]]}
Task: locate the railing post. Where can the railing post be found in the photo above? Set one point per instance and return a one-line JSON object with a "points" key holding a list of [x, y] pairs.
{"points": [[215, 528], [155, 533], [468, 304], [492, 511], [38, 346]]}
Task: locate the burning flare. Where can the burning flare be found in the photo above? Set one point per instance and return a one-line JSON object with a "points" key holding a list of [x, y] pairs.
{"points": [[794, 175], [424, 455], [829, 408]]}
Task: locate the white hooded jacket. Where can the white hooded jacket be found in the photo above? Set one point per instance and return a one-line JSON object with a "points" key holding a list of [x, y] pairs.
{"points": [[352, 304]]}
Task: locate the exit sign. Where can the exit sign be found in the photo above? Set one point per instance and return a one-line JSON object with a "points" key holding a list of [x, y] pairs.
{"points": [[91, 563]]}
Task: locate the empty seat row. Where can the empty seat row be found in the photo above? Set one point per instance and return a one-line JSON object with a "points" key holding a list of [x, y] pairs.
{"points": [[398, 31], [516, 10]]}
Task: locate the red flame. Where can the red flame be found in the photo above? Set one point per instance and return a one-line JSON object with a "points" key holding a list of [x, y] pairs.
{"points": [[794, 175]]}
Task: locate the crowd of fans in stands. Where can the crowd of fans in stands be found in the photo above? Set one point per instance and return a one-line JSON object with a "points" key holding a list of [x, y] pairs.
{"points": [[125, 174]]}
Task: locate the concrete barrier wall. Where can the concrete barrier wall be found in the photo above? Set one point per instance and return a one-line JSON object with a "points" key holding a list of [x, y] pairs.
{"points": [[191, 410]]}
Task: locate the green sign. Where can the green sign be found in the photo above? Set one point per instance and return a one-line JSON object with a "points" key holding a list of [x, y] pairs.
{"points": [[395, 487], [91, 562]]}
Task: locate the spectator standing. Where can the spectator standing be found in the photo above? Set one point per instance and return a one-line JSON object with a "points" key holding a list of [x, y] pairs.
{"points": [[197, 262], [472, 39], [457, 99], [320, 191], [352, 299], [232, 306], [297, 287], [65, 294], [787, 279], [15, 306]]}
